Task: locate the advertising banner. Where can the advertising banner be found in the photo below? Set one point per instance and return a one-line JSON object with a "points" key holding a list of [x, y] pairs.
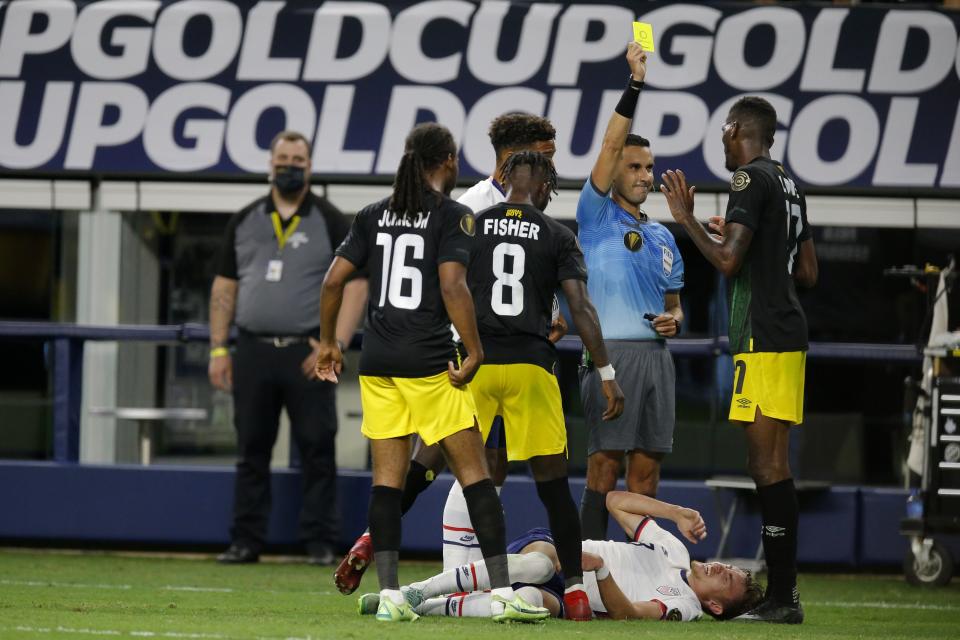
{"points": [[866, 97]]}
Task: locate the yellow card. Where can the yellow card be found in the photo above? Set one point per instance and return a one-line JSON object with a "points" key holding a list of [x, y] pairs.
{"points": [[643, 33]]}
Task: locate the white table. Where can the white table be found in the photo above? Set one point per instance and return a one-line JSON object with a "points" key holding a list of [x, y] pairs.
{"points": [[145, 417]]}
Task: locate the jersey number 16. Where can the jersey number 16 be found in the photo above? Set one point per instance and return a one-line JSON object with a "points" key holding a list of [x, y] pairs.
{"points": [[395, 271]]}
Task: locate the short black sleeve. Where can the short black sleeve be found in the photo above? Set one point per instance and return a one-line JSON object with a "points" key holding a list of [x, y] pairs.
{"points": [[338, 224], [805, 233], [456, 234], [749, 192], [570, 262], [227, 261], [355, 246]]}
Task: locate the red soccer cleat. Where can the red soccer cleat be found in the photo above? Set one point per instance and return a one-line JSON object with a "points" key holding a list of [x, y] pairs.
{"points": [[576, 606], [350, 570]]}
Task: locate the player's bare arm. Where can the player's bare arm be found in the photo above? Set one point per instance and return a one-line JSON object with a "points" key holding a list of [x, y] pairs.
{"points": [[329, 356], [629, 510], [618, 127], [727, 253], [588, 325], [460, 309], [668, 323], [805, 269], [223, 303]]}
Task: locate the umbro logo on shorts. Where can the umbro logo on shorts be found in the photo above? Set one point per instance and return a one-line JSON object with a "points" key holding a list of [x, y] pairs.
{"points": [[774, 531], [467, 538], [744, 403]]}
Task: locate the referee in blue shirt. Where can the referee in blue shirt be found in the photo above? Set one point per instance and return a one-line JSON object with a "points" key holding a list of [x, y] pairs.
{"points": [[636, 274]]}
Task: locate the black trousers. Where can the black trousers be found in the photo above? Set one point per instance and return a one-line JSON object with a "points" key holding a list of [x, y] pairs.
{"points": [[266, 378]]}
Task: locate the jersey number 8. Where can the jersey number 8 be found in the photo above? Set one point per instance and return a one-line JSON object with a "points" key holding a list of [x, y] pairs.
{"points": [[395, 271], [513, 279]]}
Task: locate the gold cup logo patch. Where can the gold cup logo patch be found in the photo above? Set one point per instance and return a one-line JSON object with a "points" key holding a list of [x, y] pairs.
{"points": [[468, 224], [633, 240]]}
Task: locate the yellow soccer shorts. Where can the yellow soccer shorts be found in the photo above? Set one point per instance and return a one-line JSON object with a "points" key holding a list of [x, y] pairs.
{"points": [[772, 382], [430, 407], [528, 399]]}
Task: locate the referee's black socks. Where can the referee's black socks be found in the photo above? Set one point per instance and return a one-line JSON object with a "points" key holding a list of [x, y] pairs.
{"points": [[384, 520], [781, 515], [565, 526], [593, 515], [486, 514]]}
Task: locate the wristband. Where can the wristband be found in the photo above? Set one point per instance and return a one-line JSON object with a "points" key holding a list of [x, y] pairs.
{"points": [[602, 573], [606, 372], [219, 352], [628, 101]]}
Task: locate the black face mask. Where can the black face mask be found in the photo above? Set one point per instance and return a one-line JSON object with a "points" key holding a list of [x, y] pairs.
{"points": [[289, 179]]}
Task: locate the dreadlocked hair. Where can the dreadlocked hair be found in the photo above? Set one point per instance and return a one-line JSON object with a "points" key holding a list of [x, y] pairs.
{"points": [[427, 146], [536, 161]]}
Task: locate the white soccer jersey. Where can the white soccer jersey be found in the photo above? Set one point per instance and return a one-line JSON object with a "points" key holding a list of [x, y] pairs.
{"points": [[483, 195], [652, 568]]}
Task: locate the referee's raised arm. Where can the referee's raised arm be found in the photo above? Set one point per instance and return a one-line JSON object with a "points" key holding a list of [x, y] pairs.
{"points": [[619, 125]]}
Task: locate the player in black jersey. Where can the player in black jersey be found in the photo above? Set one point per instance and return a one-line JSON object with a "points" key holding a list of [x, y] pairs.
{"points": [[416, 246], [519, 259], [765, 248]]}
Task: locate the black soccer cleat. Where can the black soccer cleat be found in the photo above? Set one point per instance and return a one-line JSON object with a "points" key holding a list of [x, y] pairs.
{"points": [[774, 612]]}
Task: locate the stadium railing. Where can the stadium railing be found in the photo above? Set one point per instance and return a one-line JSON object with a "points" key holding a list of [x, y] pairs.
{"points": [[67, 341]]}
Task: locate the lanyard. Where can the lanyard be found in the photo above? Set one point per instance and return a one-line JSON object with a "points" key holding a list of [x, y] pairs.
{"points": [[283, 235]]}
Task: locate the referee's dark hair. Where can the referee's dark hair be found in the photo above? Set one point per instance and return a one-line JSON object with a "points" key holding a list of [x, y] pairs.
{"points": [[541, 168], [512, 130], [428, 145], [633, 140], [755, 111]]}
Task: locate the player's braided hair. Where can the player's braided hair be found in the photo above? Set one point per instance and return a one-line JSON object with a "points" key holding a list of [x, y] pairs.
{"points": [[427, 146], [752, 596], [758, 112], [513, 130], [536, 161]]}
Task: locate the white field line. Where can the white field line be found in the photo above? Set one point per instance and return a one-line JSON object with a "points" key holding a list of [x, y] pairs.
{"points": [[139, 634], [128, 587], [884, 605], [50, 583]]}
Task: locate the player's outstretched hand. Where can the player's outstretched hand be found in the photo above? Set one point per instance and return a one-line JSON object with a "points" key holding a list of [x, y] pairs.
{"points": [[462, 376], [637, 59], [716, 224], [614, 396], [679, 196], [590, 561], [691, 525], [329, 361]]}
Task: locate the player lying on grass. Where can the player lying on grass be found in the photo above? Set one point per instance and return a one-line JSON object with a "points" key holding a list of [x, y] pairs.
{"points": [[649, 578]]}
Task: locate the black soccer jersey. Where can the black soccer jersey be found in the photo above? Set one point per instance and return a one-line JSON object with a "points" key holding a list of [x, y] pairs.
{"points": [[407, 331], [519, 257], [765, 314]]}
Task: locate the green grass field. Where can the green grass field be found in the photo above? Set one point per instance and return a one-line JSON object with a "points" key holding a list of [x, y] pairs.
{"points": [[84, 595]]}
